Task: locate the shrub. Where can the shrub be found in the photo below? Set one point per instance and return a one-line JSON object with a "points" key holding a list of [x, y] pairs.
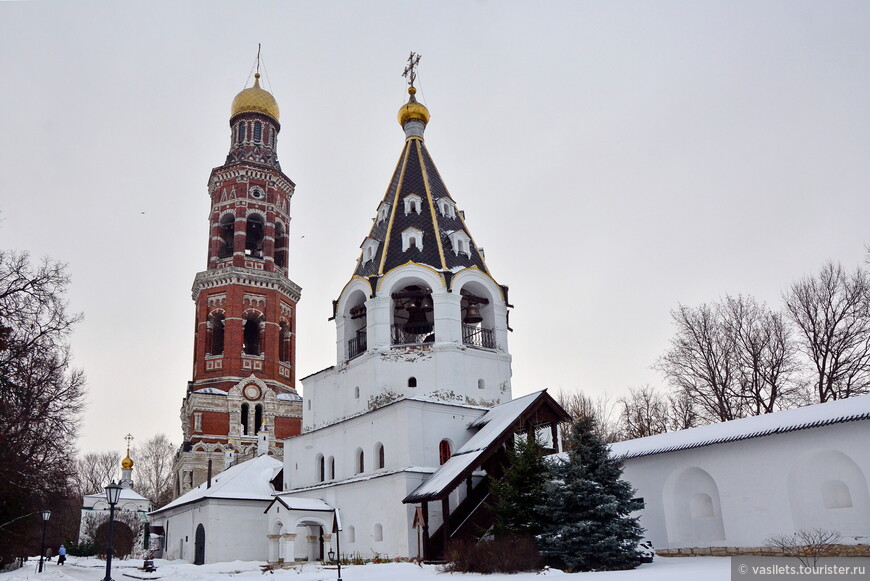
{"points": [[501, 555]]}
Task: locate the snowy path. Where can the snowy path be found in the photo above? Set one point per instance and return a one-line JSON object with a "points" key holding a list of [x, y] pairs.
{"points": [[663, 569]]}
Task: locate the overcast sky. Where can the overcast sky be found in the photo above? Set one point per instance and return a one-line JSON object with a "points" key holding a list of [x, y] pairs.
{"points": [[615, 159]]}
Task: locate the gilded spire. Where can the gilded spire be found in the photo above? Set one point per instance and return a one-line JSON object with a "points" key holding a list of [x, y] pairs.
{"points": [[255, 99]]}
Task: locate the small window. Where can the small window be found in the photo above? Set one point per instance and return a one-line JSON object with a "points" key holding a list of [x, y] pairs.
{"points": [[356, 392], [413, 203], [258, 131], [379, 532], [379, 456], [360, 461], [240, 136], [331, 465], [444, 451], [321, 468], [481, 384], [309, 405], [412, 243], [412, 382]]}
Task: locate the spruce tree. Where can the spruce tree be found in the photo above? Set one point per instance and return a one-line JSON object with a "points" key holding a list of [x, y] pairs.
{"points": [[517, 496], [588, 508]]}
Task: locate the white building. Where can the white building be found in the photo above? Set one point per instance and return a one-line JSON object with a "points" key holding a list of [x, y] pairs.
{"points": [[95, 507], [222, 519], [725, 488], [405, 418]]}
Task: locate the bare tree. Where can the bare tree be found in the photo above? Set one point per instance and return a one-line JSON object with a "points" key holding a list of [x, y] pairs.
{"points": [[766, 356], [732, 359], [95, 470], [41, 396], [808, 545], [644, 413], [154, 469], [601, 409], [701, 362], [832, 314], [681, 412]]}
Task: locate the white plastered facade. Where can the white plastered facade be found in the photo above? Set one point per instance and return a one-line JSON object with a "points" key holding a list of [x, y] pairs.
{"points": [[737, 494], [374, 518]]}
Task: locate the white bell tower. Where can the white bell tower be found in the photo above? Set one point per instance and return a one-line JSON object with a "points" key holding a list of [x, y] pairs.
{"points": [[421, 316]]}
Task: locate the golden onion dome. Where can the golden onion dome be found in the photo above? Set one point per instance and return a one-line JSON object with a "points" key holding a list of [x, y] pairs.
{"points": [[413, 110], [255, 100], [127, 463]]}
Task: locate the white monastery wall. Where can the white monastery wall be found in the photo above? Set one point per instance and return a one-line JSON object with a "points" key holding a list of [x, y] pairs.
{"points": [[740, 493]]}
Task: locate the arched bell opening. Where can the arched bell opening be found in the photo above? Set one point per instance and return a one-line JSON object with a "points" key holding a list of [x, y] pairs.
{"points": [[477, 316], [355, 324], [216, 334], [252, 335], [413, 316], [254, 234], [227, 234]]}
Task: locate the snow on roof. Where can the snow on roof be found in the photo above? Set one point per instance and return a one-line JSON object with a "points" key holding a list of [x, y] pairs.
{"points": [[210, 391], [249, 480], [833, 412], [289, 397], [492, 424], [297, 503], [126, 494]]}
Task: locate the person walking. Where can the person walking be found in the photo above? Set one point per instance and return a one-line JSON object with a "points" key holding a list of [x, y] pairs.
{"points": [[61, 555]]}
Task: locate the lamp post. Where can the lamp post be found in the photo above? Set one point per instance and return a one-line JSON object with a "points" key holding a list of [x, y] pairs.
{"points": [[336, 531], [46, 514], [113, 492]]}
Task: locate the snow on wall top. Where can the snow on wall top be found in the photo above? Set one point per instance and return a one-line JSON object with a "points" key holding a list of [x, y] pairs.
{"points": [[833, 412], [249, 480], [126, 494]]}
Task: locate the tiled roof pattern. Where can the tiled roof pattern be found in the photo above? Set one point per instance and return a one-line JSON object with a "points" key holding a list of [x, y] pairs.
{"points": [[416, 174]]}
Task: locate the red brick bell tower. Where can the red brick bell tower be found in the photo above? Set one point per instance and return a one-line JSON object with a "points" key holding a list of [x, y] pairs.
{"points": [[245, 338]]}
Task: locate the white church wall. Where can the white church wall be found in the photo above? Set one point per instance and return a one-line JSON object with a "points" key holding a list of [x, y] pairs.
{"points": [[373, 517], [410, 432], [450, 370], [234, 530], [740, 493]]}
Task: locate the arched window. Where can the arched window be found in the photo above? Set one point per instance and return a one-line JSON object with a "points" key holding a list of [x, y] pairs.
{"points": [[252, 336], [217, 334], [320, 466], [254, 234], [244, 419], [379, 456], [444, 451], [331, 465], [258, 131], [227, 226], [412, 382], [258, 418], [379, 532], [360, 461], [240, 135]]}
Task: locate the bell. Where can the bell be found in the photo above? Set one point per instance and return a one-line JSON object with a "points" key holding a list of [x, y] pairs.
{"points": [[472, 315], [417, 323]]}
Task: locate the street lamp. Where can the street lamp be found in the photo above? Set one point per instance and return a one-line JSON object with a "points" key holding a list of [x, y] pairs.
{"points": [[336, 531], [113, 492], [46, 514]]}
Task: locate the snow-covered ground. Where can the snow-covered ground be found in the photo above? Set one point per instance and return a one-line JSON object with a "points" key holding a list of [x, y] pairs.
{"points": [[663, 569]]}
